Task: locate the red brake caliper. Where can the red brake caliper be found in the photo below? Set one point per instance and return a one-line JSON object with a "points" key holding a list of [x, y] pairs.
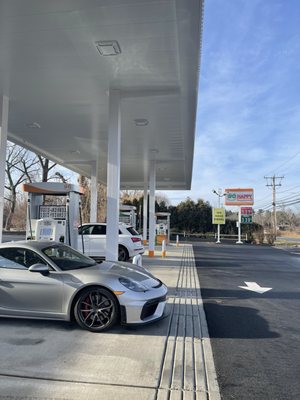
{"points": [[86, 307]]}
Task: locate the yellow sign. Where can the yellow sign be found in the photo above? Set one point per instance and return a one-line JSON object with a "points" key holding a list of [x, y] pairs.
{"points": [[219, 216]]}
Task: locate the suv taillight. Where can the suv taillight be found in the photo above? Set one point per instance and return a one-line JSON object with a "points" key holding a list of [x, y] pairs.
{"points": [[135, 239]]}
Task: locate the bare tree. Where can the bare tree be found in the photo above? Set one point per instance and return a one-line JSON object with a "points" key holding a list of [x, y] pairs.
{"points": [[102, 202], [61, 177], [130, 195], [20, 166], [86, 199], [162, 198], [46, 166]]}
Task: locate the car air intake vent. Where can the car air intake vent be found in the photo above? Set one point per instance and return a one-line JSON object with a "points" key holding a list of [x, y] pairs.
{"points": [[151, 306], [158, 285]]}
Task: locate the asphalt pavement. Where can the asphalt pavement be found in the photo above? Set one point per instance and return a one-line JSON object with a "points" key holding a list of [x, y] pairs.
{"points": [[255, 336]]}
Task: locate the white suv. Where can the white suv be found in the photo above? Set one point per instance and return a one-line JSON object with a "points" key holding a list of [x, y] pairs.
{"points": [[93, 236]]}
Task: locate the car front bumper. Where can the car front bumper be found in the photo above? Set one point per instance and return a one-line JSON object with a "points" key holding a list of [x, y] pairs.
{"points": [[144, 310]]}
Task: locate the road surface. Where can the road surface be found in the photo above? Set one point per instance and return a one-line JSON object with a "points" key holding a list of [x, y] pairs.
{"points": [[255, 336]]}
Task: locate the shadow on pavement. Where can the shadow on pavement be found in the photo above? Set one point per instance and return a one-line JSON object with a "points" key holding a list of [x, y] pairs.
{"points": [[38, 327], [231, 322], [247, 294]]}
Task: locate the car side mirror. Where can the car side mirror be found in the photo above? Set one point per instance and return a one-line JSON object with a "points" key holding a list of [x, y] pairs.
{"points": [[41, 268]]}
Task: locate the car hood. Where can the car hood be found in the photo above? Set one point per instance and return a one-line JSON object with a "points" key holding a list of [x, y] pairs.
{"points": [[107, 271]]}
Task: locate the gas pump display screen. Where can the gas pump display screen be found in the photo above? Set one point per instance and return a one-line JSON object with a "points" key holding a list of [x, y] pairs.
{"points": [[46, 231]]}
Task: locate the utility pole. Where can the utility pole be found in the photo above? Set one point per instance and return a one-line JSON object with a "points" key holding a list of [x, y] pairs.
{"points": [[219, 194], [273, 184]]}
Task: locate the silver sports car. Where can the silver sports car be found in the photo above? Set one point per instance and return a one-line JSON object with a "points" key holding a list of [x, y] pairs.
{"points": [[49, 280]]}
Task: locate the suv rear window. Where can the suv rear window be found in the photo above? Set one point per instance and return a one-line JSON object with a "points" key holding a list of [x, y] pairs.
{"points": [[132, 231]]}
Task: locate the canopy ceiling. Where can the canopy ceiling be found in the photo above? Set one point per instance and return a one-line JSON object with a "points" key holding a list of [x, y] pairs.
{"points": [[58, 82]]}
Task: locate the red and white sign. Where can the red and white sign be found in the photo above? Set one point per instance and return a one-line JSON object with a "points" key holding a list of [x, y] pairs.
{"points": [[246, 211], [239, 197]]}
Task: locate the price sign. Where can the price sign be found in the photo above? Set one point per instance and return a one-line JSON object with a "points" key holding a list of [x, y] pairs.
{"points": [[246, 219], [246, 211], [246, 215]]}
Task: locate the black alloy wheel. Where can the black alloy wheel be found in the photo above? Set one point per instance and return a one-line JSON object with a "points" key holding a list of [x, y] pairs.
{"points": [[123, 254], [96, 309]]}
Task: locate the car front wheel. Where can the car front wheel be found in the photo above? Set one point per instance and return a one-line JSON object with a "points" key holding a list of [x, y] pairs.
{"points": [[96, 309]]}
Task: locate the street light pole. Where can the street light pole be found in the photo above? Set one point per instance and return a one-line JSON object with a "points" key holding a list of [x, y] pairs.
{"points": [[239, 227], [218, 193]]}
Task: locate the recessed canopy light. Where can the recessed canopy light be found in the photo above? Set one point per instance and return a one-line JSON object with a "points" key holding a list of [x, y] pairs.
{"points": [[141, 122], [33, 125], [108, 47], [75, 152]]}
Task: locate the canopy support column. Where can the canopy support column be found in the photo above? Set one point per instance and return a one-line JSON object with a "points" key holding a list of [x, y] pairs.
{"points": [[94, 192], [3, 144], [113, 176], [152, 185], [145, 212]]}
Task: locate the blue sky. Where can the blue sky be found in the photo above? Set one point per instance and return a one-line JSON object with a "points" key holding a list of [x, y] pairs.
{"points": [[248, 120]]}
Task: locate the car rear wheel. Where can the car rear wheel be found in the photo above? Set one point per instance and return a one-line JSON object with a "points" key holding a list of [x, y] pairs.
{"points": [[123, 254], [96, 309]]}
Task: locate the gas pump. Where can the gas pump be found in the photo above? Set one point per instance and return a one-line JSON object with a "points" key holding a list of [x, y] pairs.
{"points": [[47, 220], [162, 227], [128, 215]]}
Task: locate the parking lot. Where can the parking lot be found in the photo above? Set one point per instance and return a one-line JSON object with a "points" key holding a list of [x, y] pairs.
{"points": [[58, 360]]}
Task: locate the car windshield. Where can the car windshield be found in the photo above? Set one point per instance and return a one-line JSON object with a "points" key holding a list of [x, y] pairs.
{"points": [[67, 258]]}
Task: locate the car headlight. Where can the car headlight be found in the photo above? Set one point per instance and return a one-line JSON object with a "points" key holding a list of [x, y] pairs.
{"points": [[132, 285]]}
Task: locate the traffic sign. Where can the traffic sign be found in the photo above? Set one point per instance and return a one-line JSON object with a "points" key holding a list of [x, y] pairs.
{"points": [[219, 216]]}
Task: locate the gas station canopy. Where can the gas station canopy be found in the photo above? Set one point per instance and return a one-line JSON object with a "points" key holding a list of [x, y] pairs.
{"points": [[60, 59]]}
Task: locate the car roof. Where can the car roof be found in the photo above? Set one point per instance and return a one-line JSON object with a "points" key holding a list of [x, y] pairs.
{"points": [[104, 223]]}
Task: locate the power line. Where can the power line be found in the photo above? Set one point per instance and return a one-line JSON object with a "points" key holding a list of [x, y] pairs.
{"points": [[287, 161], [289, 189], [290, 203]]}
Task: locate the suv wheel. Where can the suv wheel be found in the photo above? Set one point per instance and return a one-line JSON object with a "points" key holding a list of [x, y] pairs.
{"points": [[123, 253]]}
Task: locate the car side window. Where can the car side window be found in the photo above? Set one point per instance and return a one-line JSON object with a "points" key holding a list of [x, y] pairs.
{"points": [[18, 258], [32, 258], [85, 230], [99, 230]]}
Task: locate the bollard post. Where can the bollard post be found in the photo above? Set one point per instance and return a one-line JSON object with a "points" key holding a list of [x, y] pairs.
{"points": [[177, 240], [163, 248], [137, 260]]}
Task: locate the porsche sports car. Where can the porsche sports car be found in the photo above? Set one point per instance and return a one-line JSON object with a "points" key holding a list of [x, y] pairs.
{"points": [[50, 280]]}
